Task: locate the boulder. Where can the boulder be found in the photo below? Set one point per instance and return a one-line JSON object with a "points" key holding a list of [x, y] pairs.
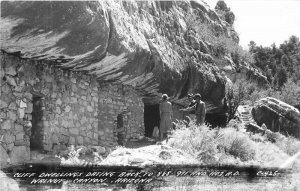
{"points": [[165, 155], [99, 149], [277, 116], [254, 128], [136, 160]]}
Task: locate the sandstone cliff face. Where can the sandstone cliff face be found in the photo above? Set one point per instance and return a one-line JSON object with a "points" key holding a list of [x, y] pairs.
{"points": [[144, 44]]}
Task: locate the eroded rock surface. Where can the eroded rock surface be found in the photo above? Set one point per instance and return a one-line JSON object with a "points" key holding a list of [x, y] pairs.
{"points": [[277, 116], [144, 44]]}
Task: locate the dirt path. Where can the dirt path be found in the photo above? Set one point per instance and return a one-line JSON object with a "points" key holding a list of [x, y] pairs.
{"points": [[141, 143]]}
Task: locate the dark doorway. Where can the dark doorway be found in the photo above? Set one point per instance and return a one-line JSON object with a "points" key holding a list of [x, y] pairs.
{"points": [[216, 120], [151, 118], [36, 137], [120, 129]]}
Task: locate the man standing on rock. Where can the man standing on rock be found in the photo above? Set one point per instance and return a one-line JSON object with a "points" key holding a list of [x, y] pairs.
{"points": [[166, 114], [199, 108]]}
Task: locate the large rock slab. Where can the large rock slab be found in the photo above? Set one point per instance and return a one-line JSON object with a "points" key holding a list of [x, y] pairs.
{"points": [[277, 116]]}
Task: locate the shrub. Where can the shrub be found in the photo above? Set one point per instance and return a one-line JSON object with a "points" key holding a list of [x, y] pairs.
{"points": [[289, 145], [258, 138], [220, 43], [72, 157], [257, 94], [269, 155], [197, 141], [237, 144], [229, 17], [80, 156], [222, 6], [235, 97], [212, 146], [289, 93]]}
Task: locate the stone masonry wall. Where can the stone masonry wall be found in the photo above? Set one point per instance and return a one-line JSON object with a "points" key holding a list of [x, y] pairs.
{"points": [[68, 108], [45, 108], [117, 99]]}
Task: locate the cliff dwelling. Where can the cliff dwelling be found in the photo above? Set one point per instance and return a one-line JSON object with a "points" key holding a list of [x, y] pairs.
{"points": [[48, 109], [94, 79]]}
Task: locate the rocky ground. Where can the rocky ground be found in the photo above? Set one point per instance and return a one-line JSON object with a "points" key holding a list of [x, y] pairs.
{"points": [[163, 154], [148, 153], [145, 152]]}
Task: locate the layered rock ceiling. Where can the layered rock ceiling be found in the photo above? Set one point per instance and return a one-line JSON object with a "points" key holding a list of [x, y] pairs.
{"points": [[144, 44]]}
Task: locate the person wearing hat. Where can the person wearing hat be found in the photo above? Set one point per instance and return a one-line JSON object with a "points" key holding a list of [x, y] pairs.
{"points": [[191, 100], [166, 115], [191, 114], [198, 108]]}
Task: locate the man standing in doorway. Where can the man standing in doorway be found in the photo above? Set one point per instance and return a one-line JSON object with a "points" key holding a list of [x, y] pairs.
{"points": [[166, 114], [199, 108]]}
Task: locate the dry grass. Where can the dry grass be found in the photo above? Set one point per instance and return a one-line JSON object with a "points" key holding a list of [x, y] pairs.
{"points": [[199, 142], [80, 156], [289, 145], [230, 146], [226, 146], [237, 144], [213, 146]]}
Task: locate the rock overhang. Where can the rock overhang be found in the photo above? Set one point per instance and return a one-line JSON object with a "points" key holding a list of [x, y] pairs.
{"points": [[114, 41]]}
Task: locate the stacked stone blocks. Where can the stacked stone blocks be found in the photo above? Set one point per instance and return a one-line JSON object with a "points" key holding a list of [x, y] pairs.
{"points": [[119, 99], [67, 108]]}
